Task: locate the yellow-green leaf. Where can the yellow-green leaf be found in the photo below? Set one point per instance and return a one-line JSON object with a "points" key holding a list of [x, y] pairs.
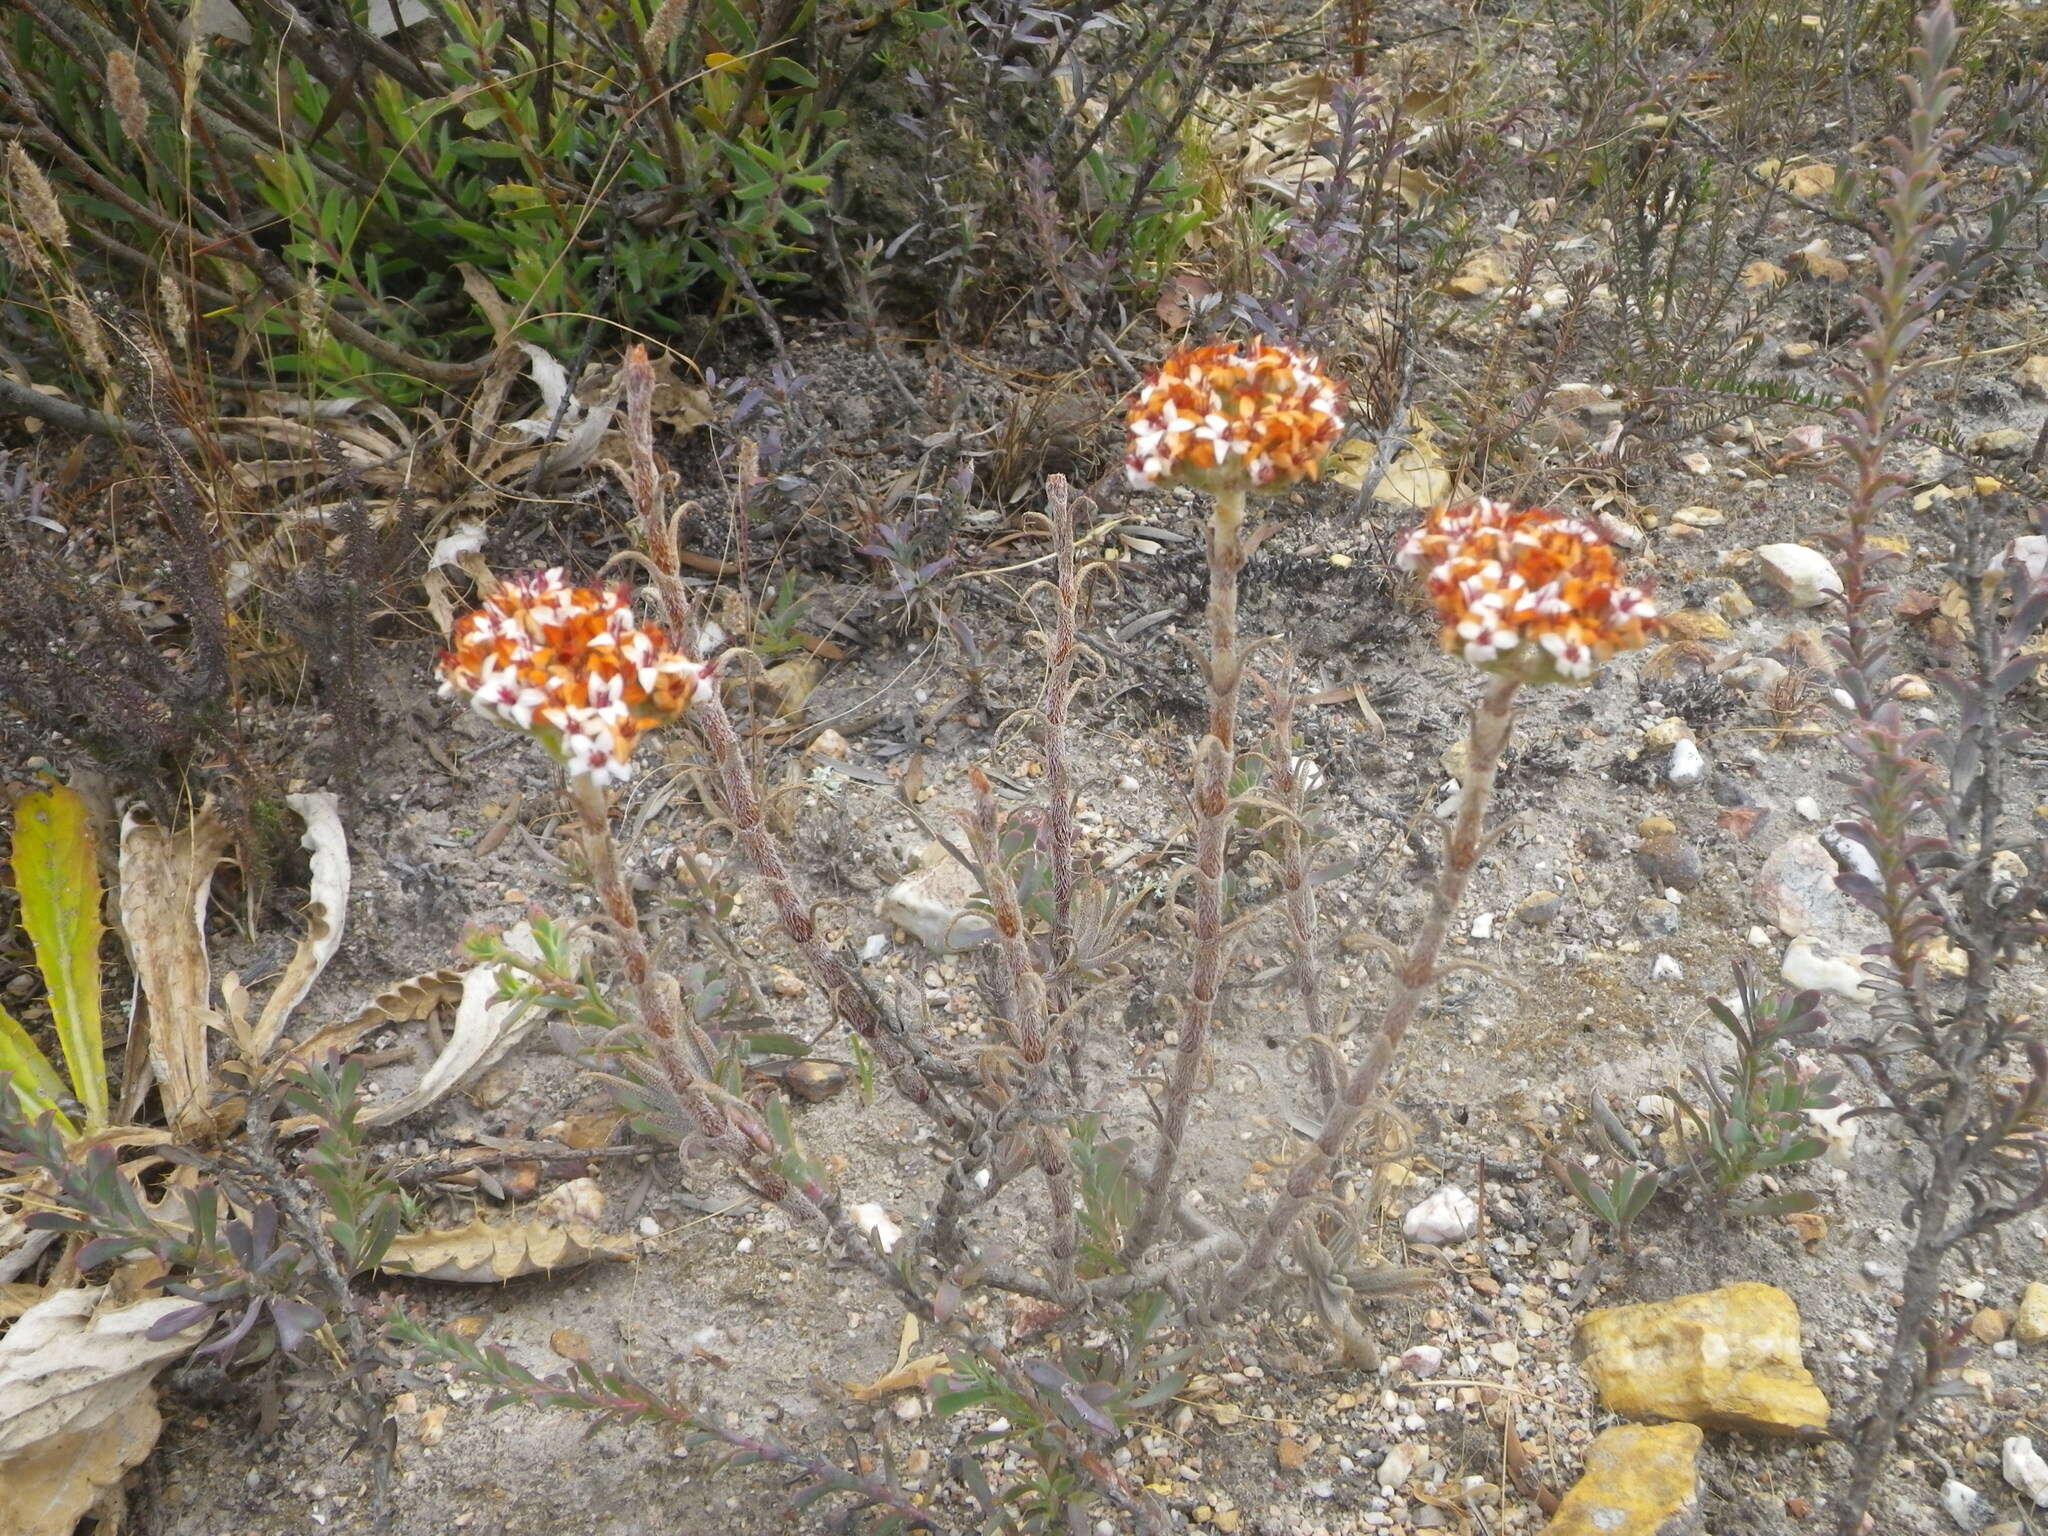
{"points": [[57, 873], [34, 1080]]}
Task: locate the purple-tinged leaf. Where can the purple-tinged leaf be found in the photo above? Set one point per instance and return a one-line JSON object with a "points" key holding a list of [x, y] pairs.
{"points": [[177, 1322]]}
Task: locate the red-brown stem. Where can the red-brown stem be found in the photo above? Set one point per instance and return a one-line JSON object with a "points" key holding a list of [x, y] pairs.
{"points": [[1060, 650], [656, 531], [657, 1012], [753, 1151], [1492, 722], [1032, 1032], [1215, 758], [851, 1001], [1298, 895]]}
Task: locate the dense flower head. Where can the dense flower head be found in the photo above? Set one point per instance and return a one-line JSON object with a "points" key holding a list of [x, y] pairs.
{"points": [[1532, 593], [1232, 416], [571, 666]]}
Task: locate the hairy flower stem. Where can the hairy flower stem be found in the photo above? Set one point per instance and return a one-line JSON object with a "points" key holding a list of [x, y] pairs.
{"points": [[1061, 646], [651, 990], [851, 1001], [657, 534], [1298, 895], [1492, 723], [1032, 1032], [657, 1008], [1215, 758]]}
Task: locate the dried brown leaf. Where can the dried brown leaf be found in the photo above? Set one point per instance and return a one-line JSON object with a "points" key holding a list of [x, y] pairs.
{"points": [[166, 884], [484, 1031], [484, 1254], [326, 913]]}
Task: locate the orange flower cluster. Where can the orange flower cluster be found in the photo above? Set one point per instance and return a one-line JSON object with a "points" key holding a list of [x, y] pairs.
{"points": [[1531, 593], [1232, 417], [572, 667]]}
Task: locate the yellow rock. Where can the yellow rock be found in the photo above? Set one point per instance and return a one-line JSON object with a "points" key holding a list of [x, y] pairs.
{"points": [[2031, 1326], [1764, 274], [1639, 1481], [1697, 624], [1809, 181], [1728, 1359], [1818, 261], [1482, 272], [2034, 375]]}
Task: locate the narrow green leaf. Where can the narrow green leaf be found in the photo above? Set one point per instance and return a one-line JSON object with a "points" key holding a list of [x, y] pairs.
{"points": [[57, 873], [34, 1080]]}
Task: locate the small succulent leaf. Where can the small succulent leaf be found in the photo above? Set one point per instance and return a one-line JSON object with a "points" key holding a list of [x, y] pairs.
{"points": [[56, 870], [27, 1073]]}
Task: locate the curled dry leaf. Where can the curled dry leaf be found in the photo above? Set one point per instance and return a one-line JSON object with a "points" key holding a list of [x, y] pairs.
{"points": [[326, 912], [402, 1002], [77, 1404], [1416, 477], [571, 428], [906, 1375], [463, 548], [166, 883], [485, 1030], [484, 1254]]}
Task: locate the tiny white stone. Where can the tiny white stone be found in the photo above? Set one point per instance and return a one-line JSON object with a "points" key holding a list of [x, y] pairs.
{"points": [[1806, 576], [1399, 1465], [1965, 1505], [874, 946], [1482, 926], [2025, 1470], [874, 1221], [1687, 765], [649, 1227], [1421, 1360], [1839, 1131], [1447, 1216], [1664, 968], [1811, 962], [1807, 807]]}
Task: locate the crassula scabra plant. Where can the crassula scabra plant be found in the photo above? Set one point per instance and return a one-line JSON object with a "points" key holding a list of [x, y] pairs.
{"points": [[1530, 597]]}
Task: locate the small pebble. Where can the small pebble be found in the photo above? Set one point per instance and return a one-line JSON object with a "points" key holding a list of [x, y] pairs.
{"points": [[1656, 918], [1965, 1505], [1447, 1216]]}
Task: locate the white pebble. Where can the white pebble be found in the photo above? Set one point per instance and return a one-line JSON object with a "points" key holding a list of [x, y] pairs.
{"points": [[2025, 1470], [1810, 962], [1687, 765], [1806, 576], [1447, 1216]]}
